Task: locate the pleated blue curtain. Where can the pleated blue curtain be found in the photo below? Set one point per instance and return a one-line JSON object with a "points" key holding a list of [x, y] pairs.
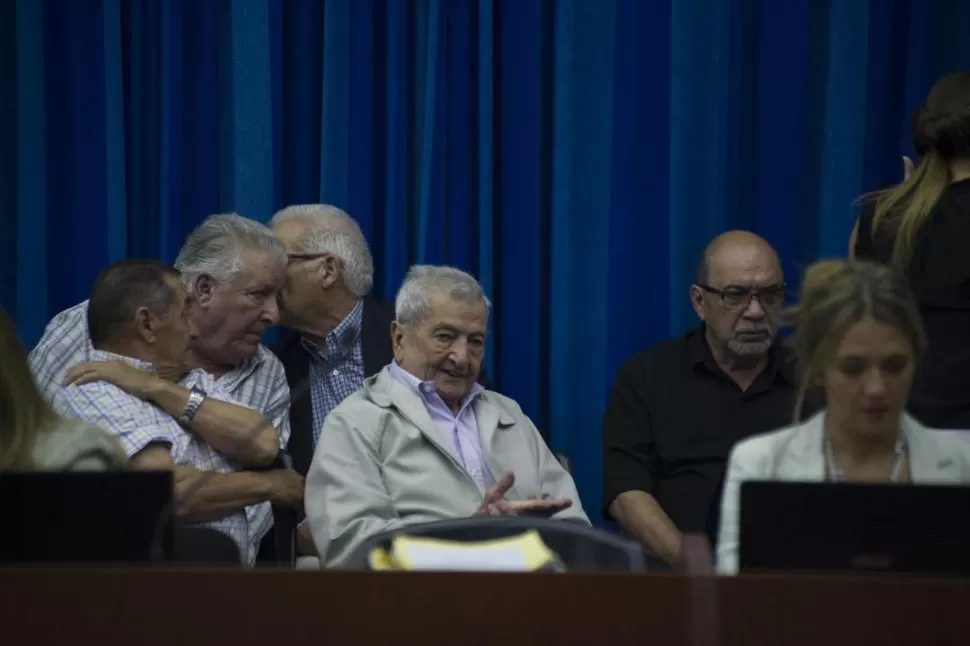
{"points": [[575, 155]]}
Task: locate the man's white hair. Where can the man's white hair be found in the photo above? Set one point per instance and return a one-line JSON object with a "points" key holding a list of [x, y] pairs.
{"points": [[217, 245], [330, 230], [423, 282]]}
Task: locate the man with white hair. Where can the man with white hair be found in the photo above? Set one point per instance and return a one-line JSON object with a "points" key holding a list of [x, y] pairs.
{"points": [[232, 268], [422, 440], [335, 334]]}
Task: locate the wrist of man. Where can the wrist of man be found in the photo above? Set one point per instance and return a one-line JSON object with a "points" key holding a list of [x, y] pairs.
{"points": [[268, 488], [304, 539], [672, 553], [156, 390], [192, 404]]}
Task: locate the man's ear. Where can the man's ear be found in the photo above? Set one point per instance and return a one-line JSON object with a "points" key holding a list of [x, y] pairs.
{"points": [[202, 290], [144, 324], [331, 268], [397, 340], [697, 301]]}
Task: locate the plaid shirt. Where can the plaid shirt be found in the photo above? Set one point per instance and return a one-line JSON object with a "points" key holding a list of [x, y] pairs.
{"points": [[258, 382], [339, 372], [139, 424]]}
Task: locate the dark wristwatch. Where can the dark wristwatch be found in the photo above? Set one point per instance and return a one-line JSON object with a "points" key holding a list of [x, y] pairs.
{"points": [[196, 397]]}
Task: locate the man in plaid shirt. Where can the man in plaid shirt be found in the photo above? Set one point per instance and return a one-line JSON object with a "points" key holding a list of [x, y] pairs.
{"points": [[232, 268], [140, 331]]}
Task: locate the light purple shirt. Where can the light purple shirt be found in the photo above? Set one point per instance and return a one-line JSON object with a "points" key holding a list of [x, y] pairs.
{"points": [[460, 431]]}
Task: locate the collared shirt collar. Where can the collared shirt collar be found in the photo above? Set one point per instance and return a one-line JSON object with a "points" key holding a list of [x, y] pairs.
{"points": [[247, 367], [699, 353], [426, 389], [102, 355], [341, 339]]}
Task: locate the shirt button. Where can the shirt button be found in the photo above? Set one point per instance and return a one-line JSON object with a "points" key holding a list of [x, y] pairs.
{"points": [[336, 373]]}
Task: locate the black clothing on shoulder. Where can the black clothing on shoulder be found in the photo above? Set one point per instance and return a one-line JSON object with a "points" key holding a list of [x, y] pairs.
{"points": [[673, 418], [940, 279]]}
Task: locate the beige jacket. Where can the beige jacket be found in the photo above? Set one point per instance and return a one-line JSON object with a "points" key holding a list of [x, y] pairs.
{"points": [[795, 454], [381, 463]]}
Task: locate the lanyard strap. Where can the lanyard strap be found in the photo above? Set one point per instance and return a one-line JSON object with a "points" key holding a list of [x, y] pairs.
{"points": [[834, 472]]}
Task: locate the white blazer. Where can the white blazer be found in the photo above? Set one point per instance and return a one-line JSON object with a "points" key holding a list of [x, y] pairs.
{"points": [[795, 453]]}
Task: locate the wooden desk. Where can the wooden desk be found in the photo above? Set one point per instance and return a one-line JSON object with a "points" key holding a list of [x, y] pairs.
{"points": [[275, 607], [790, 611]]}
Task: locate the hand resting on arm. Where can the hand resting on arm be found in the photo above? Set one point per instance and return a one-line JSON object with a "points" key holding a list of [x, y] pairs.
{"points": [[239, 432]]}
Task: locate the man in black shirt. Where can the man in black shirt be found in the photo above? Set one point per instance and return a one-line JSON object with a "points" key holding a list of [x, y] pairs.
{"points": [[678, 408]]}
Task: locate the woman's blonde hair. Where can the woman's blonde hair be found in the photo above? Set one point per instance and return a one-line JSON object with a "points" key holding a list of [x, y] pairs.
{"points": [[941, 134], [834, 296], [23, 411]]}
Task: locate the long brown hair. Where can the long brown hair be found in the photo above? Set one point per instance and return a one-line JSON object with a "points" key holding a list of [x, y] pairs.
{"points": [[23, 411], [941, 134], [837, 294]]}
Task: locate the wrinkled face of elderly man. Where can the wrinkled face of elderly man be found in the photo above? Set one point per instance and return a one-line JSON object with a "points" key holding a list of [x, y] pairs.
{"points": [[234, 268], [237, 312], [445, 346]]}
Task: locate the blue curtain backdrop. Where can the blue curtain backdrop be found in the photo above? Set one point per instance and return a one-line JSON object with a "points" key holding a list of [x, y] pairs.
{"points": [[575, 155]]}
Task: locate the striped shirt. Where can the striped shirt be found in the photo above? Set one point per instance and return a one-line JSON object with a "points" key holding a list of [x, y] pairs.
{"points": [[139, 424], [259, 382], [338, 372]]}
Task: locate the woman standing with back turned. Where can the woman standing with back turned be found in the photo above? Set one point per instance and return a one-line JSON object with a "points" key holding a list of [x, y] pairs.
{"points": [[922, 227]]}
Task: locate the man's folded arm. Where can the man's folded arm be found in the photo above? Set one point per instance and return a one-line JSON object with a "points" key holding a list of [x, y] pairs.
{"points": [[278, 408], [226, 425], [205, 495]]}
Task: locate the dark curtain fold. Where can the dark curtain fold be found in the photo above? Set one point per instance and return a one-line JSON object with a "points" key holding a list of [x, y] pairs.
{"points": [[575, 155]]}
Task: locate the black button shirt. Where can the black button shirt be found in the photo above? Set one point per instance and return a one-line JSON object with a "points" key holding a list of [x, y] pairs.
{"points": [[672, 419], [940, 278]]}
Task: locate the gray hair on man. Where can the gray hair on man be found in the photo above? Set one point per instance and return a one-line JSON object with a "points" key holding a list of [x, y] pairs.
{"points": [[331, 230], [216, 247], [423, 282]]}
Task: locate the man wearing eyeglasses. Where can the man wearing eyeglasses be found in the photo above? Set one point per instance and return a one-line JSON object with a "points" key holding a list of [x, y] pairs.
{"points": [[677, 409], [335, 334]]}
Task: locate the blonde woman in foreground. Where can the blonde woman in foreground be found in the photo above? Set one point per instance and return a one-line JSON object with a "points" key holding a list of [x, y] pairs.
{"points": [[32, 436], [858, 336]]}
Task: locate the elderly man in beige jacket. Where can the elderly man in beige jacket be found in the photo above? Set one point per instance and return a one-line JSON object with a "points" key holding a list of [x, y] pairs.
{"points": [[422, 440]]}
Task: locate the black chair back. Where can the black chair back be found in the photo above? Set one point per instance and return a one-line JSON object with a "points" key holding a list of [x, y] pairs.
{"points": [[579, 547]]}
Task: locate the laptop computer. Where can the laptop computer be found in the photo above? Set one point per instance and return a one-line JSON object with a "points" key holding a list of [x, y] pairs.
{"points": [[825, 527], [84, 517]]}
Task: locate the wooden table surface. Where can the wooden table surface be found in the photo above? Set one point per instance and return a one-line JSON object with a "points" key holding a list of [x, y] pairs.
{"points": [[175, 607]]}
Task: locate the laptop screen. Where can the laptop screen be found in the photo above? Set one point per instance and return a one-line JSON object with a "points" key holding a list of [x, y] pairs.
{"points": [[83, 517], [854, 527]]}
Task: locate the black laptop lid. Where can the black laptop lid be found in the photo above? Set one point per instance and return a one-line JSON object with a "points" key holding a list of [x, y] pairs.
{"points": [[854, 527], [83, 517]]}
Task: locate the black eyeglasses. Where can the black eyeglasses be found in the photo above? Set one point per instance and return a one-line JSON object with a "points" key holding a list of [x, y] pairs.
{"points": [[736, 297]]}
